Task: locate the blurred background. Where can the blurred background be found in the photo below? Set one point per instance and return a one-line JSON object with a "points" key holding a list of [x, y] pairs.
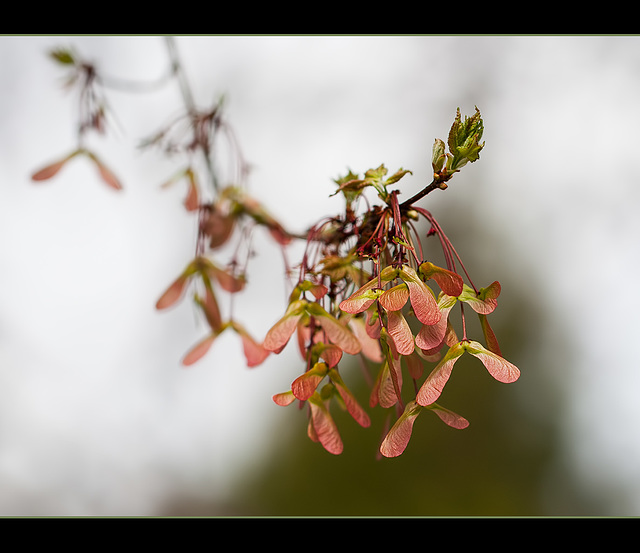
{"points": [[97, 417]]}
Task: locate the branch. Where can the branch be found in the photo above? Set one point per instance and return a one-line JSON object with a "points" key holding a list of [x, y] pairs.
{"points": [[438, 182], [189, 103]]}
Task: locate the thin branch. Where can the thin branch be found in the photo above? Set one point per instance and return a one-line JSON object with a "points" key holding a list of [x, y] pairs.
{"points": [[438, 182], [189, 103], [177, 69]]}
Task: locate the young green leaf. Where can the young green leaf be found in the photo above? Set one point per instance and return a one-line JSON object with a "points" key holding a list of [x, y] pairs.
{"points": [[63, 56], [397, 176], [438, 155], [464, 141]]}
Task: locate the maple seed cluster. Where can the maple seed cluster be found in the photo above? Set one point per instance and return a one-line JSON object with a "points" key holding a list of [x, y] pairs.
{"points": [[364, 285], [367, 287]]}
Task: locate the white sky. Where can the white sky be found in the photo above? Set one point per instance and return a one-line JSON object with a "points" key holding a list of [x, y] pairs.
{"points": [[89, 377]]}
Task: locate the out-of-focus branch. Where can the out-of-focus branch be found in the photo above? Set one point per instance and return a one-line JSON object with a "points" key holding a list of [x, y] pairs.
{"points": [[187, 98]]}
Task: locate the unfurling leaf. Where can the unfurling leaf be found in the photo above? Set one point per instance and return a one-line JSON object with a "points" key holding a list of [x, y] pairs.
{"points": [[350, 185], [464, 141], [438, 155], [397, 176]]}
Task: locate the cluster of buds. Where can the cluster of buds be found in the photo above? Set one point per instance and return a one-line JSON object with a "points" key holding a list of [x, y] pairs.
{"points": [[367, 291]]}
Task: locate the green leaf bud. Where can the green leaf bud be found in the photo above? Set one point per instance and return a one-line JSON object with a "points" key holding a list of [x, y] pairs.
{"points": [[63, 56], [464, 140], [438, 156]]}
